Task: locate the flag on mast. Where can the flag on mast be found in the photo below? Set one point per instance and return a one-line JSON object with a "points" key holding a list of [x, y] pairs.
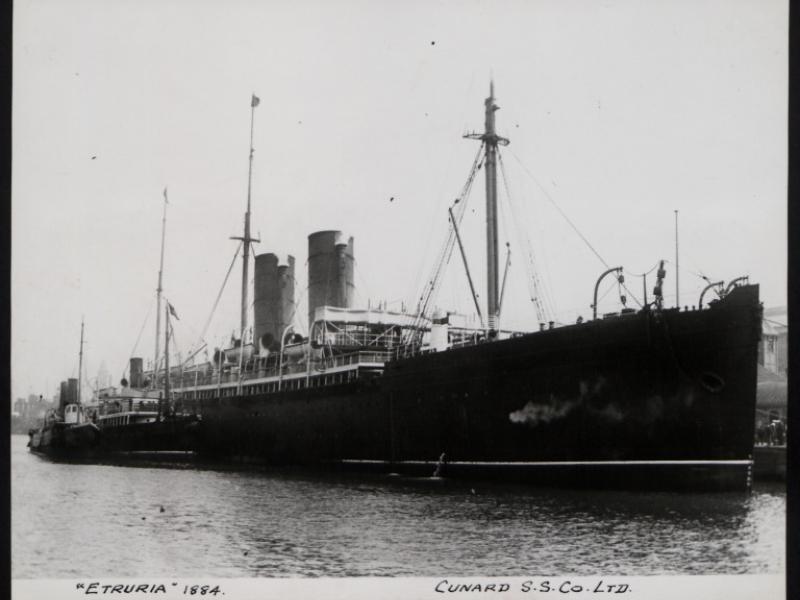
{"points": [[255, 101], [172, 310]]}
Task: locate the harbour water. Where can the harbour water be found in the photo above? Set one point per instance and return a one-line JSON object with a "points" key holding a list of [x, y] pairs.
{"points": [[73, 520]]}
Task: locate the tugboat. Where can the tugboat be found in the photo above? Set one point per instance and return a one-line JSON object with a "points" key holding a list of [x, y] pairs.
{"points": [[67, 430]]}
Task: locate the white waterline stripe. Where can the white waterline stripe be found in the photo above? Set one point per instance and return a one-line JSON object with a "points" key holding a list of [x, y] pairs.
{"points": [[565, 463], [158, 452]]}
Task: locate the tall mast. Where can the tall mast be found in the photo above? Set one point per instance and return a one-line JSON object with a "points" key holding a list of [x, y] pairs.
{"points": [[159, 288], [246, 239], [80, 365], [491, 140]]}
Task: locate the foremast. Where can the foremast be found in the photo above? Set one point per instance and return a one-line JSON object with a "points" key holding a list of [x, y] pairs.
{"points": [[246, 238], [491, 141]]}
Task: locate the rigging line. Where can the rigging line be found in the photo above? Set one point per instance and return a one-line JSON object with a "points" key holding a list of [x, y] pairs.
{"points": [[428, 293], [571, 224], [438, 206], [538, 292], [774, 322], [539, 288], [689, 271], [431, 282], [608, 291], [219, 295], [191, 331], [535, 289], [558, 208], [631, 274], [529, 279], [461, 203], [296, 314], [363, 281], [630, 295], [507, 235], [444, 260], [139, 337]]}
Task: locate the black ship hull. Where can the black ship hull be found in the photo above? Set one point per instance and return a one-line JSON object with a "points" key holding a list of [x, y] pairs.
{"points": [[62, 440], [661, 399], [170, 434], [88, 441]]}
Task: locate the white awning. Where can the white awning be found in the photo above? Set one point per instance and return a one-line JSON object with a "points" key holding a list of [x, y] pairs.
{"points": [[367, 317]]}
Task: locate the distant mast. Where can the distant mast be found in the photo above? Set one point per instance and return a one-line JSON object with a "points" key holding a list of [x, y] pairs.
{"points": [[159, 289], [491, 140], [246, 239], [80, 365]]}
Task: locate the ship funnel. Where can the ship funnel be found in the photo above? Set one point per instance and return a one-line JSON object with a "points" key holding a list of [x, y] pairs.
{"points": [[63, 396], [331, 262], [136, 372], [72, 391], [274, 295]]}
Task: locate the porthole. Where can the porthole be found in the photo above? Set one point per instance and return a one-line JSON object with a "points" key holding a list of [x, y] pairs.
{"points": [[712, 382]]}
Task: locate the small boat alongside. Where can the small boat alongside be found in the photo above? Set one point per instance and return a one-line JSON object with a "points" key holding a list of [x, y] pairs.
{"points": [[65, 433], [67, 430], [137, 420], [116, 420]]}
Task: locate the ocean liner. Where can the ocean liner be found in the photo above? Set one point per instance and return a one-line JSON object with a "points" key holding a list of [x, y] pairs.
{"points": [[652, 398]]}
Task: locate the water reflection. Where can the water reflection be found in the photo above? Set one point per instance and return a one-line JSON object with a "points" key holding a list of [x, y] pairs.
{"points": [[79, 519]]}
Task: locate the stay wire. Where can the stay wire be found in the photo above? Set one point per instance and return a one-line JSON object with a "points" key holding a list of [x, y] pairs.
{"points": [[631, 274], [558, 208], [631, 295], [216, 302], [538, 292], [507, 234], [428, 294], [608, 291], [690, 271], [139, 337], [567, 219], [419, 272], [363, 279], [774, 322]]}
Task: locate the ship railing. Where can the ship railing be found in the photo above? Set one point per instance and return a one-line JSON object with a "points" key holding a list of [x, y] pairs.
{"points": [[465, 342], [360, 356], [114, 407], [362, 338], [232, 374], [416, 349]]}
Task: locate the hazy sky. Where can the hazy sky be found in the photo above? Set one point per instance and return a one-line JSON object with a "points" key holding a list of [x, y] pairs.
{"points": [[619, 112]]}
